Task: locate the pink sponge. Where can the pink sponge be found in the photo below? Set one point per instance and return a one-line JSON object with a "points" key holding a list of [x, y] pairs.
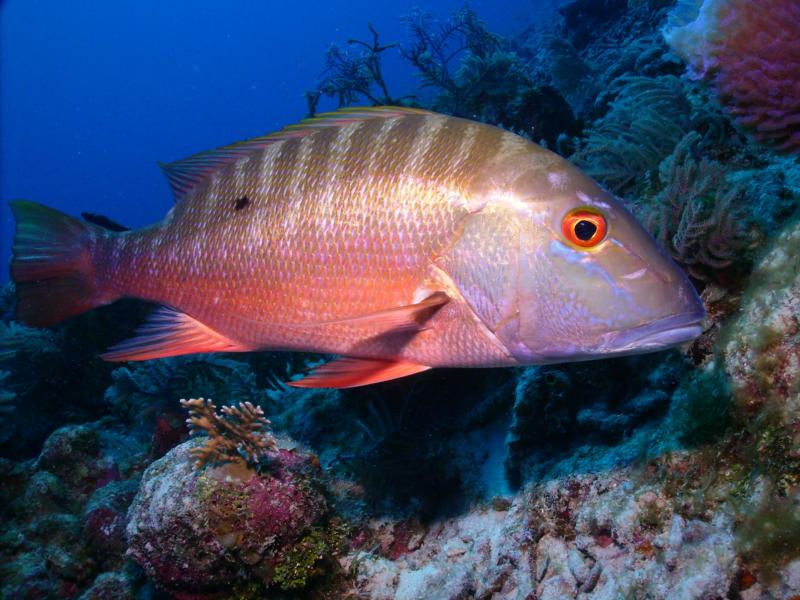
{"points": [[749, 51]]}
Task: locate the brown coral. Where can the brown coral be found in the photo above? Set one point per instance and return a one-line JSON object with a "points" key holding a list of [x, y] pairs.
{"points": [[239, 432]]}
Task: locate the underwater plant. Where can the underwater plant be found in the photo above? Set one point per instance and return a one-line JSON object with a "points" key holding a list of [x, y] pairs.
{"points": [[570, 73], [437, 46], [352, 76], [698, 216], [748, 52], [645, 122], [239, 432]]}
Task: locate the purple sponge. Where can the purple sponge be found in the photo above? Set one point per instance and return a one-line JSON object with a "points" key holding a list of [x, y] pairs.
{"points": [[749, 52]]}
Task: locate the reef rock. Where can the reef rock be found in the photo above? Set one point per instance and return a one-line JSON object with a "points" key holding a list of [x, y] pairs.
{"points": [[201, 533], [592, 536], [761, 348]]}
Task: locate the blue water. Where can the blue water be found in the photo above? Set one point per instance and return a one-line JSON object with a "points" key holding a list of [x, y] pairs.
{"points": [[94, 92]]}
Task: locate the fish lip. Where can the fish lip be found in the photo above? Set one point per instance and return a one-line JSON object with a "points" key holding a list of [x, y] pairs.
{"points": [[660, 333]]}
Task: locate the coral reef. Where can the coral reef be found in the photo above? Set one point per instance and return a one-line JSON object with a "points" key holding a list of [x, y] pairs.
{"points": [[64, 515], [749, 54], [761, 346], [584, 536], [673, 475], [238, 433], [200, 533], [560, 408]]}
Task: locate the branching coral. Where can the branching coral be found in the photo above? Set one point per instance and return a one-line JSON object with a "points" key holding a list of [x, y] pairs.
{"points": [[475, 74], [649, 116], [239, 432], [697, 215], [352, 76], [472, 73], [749, 53], [436, 47]]}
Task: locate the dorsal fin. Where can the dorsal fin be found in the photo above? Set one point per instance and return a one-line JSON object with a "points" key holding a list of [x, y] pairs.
{"points": [[184, 175]]}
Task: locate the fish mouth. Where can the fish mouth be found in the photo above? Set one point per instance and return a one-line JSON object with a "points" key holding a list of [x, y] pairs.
{"points": [[658, 334]]}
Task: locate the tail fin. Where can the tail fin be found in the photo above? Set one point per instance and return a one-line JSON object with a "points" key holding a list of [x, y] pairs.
{"points": [[52, 264]]}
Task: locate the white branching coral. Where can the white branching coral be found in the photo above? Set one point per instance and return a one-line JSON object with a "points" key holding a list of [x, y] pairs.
{"points": [[239, 433]]}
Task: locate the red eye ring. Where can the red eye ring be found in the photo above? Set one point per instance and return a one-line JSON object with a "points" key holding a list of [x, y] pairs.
{"points": [[584, 227]]}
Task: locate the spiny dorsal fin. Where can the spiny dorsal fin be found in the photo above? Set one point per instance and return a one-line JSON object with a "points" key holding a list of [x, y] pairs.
{"points": [[184, 175]]}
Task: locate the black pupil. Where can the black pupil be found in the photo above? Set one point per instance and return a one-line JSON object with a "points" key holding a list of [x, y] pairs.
{"points": [[585, 230]]}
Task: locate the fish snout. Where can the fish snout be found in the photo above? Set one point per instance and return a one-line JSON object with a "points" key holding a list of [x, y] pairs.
{"points": [[683, 325]]}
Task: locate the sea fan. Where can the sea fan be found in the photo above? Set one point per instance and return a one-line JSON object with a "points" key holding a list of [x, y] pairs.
{"points": [[749, 53]]}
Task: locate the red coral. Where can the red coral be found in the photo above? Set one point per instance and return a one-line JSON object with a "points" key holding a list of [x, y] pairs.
{"points": [[749, 52]]}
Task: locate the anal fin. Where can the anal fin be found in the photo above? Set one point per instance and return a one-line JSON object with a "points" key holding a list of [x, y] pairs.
{"points": [[355, 372], [168, 332]]}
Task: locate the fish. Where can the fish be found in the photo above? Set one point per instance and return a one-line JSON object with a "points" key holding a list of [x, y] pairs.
{"points": [[396, 239]]}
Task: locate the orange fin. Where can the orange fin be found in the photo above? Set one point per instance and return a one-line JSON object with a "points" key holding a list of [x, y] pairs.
{"points": [[355, 372], [168, 332]]}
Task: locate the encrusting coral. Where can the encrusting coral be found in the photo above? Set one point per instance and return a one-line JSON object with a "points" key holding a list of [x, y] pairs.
{"points": [[239, 432], [749, 53], [762, 346]]}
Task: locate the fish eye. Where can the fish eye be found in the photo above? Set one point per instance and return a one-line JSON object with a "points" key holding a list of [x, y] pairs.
{"points": [[584, 227]]}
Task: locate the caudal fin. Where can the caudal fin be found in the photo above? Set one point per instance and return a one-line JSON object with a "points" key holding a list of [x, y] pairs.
{"points": [[52, 264]]}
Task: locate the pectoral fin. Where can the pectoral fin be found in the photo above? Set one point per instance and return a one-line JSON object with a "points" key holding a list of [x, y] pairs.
{"points": [[168, 332], [355, 372], [401, 318], [411, 317]]}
